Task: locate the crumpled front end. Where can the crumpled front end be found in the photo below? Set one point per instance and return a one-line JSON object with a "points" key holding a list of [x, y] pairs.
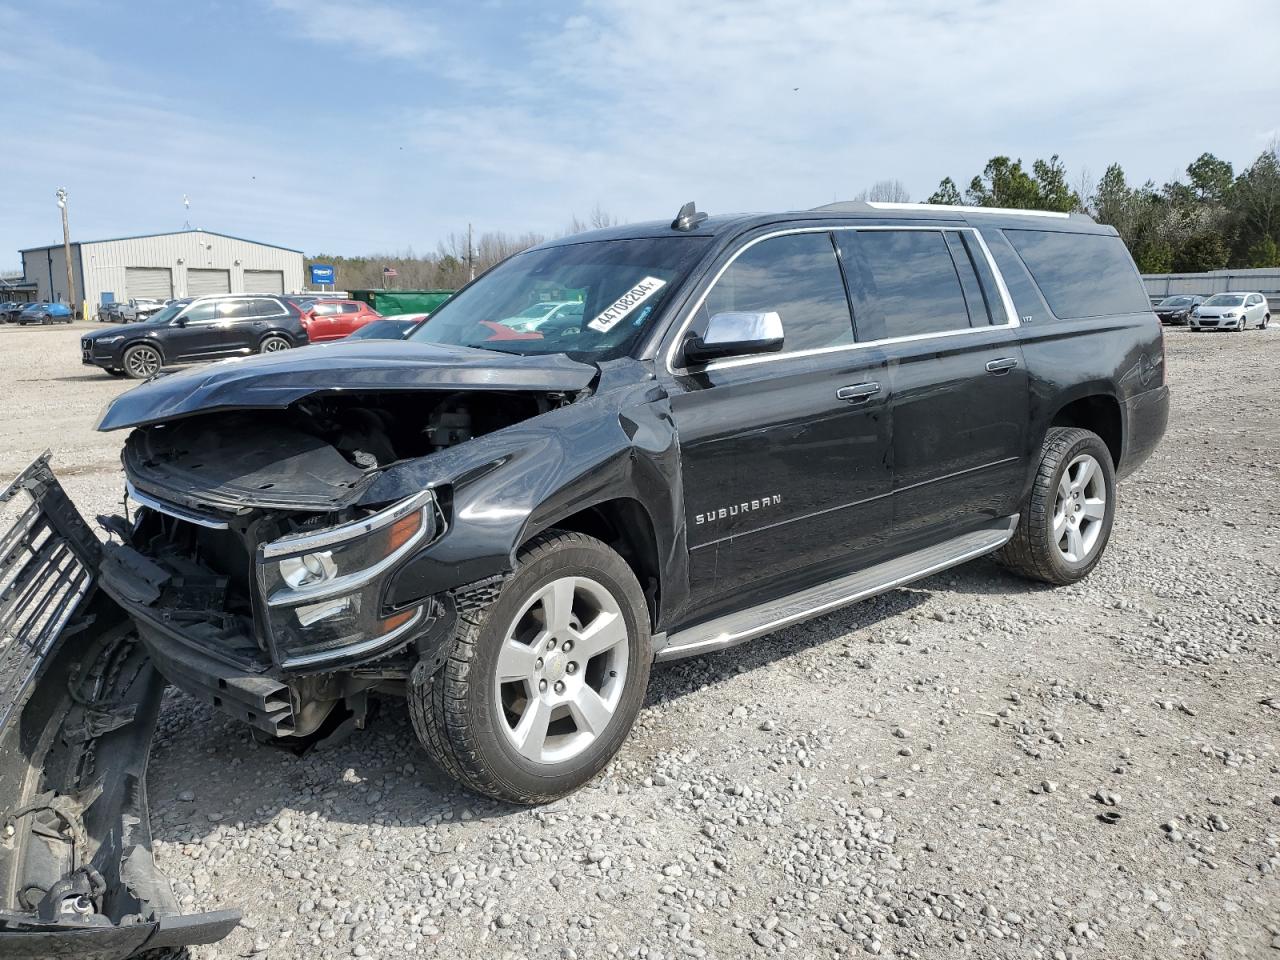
{"points": [[79, 700]]}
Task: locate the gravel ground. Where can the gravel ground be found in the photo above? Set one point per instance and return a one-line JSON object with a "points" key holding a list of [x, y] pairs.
{"points": [[973, 766]]}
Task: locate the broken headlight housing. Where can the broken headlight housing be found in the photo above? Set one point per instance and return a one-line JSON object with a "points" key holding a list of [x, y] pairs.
{"points": [[321, 589]]}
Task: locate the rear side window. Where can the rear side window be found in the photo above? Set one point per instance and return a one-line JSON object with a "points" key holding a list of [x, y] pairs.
{"points": [[798, 277], [234, 309], [1081, 274], [904, 283], [351, 308]]}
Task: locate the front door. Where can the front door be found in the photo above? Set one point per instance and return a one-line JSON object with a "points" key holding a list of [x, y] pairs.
{"points": [[786, 458], [192, 335]]}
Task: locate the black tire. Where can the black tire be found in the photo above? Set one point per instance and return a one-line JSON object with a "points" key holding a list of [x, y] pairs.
{"points": [[138, 364], [1033, 551], [454, 709], [1266, 320], [274, 343]]}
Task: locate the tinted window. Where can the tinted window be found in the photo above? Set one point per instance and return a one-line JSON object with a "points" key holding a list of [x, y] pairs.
{"points": [[904, 283], [234, 309], [200, 311], [1028, 304], [265, 308], [350, 308], [1081, 274], [798, 277], [966, 269]]}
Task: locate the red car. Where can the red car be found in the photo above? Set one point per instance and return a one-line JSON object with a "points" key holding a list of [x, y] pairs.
{"points": [[334, 319]]}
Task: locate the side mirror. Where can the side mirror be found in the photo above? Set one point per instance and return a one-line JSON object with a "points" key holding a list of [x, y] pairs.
{"points": [[180, 321], [735, 335]]}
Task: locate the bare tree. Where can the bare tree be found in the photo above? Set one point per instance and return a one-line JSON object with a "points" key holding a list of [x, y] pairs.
{"points": [[886, 191]]}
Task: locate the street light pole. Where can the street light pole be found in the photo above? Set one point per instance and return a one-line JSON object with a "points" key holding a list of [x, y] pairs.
{"points": [[66, 250]]}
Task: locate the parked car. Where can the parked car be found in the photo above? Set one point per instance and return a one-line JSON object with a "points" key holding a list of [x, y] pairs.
{"points": [[389, 328], [1232, 311], [44, 313], [335, 319], [560, 312], [139, 308], [758, 422], [1177, 309], [9, 310], [203, 328]]}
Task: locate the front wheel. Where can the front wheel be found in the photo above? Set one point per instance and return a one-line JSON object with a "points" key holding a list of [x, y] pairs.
{"points": [[1065, 523], [142, 362], [273, 344], [542, 684]]}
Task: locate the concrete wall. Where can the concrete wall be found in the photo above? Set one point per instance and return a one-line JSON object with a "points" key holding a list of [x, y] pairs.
{"points": [[1262, 280]]}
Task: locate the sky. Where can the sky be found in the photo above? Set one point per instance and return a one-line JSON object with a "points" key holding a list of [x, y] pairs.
{"points": [[381, 126]]}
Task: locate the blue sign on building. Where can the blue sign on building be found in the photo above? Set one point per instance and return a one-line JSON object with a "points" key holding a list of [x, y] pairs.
{"points": [[322, 273]]}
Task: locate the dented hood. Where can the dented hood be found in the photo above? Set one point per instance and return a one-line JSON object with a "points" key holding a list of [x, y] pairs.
{"points": [[276, 380]]}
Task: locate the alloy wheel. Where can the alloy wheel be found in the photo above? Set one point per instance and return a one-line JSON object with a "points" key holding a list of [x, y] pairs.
{"points": [[142, 362], [1079, 509], [561, 671], [274, 344]]}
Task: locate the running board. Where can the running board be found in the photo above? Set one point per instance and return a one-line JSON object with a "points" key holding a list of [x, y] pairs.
{"points": [[734, 628]]}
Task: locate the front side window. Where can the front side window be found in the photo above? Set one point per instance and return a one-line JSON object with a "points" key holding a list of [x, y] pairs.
{"points": [[796, 276], [905, 283], [622, 285], [1225, 300], [200, 311]]}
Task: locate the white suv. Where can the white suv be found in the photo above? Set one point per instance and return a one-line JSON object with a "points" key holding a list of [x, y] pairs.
{"points": [[1231, 311]]}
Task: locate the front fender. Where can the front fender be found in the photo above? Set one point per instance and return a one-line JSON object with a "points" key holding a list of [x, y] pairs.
{"points": [[503, 488]]}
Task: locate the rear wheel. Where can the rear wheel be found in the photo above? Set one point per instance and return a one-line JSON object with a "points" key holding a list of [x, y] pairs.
{"points": [[274, 344], [141, 362], [543, 683], [1065, 523], [1266, 319]]}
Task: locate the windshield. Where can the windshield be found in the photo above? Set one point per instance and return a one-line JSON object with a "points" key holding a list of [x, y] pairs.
{"points": [[1175, 302], [1224, 300], [622, 285]]}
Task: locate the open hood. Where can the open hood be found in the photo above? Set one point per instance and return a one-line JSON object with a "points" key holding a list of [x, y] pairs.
{"points": [[276, 380]]}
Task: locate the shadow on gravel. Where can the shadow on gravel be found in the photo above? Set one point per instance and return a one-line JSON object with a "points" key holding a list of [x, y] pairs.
{"points": [[207, 771]]}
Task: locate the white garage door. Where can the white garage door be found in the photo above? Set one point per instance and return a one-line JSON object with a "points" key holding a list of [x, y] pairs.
{"points": [[201, 283], [264, 281], [153, 282]]}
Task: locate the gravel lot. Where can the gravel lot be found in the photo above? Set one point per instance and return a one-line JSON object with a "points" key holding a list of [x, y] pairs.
{"points": [[934, 773]]}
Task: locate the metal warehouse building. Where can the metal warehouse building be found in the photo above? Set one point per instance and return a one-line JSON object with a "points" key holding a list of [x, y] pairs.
{"points": [[163, 265]]}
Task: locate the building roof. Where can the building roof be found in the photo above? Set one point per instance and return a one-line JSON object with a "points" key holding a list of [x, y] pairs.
{"points": [[170, 233]]}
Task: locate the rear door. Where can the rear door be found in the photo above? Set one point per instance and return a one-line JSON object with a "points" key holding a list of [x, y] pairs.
{"points": [[237, 323], [957, 382], [785, 457]]}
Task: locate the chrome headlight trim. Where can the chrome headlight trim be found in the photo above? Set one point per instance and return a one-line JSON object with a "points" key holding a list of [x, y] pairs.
{"points": [[311, 542]]}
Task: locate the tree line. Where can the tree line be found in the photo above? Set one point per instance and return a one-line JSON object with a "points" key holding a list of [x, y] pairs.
{"points": [[1216, 218], [449, 266]]}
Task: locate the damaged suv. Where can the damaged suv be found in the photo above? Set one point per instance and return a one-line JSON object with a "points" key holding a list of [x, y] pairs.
{"points": [[751, 420]]}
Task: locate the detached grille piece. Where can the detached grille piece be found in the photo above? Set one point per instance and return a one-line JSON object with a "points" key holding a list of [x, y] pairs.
{"points": [[48, 561]]}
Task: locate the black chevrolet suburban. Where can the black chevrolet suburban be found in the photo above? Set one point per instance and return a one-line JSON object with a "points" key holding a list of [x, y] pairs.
{"points": [[753, 420]]}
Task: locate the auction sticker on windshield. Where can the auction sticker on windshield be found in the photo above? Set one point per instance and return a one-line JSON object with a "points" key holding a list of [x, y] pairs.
{"points": [[642, 291]]}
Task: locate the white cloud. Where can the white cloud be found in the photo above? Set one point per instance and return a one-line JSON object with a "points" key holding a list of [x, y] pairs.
{"points": [[379, 29]]}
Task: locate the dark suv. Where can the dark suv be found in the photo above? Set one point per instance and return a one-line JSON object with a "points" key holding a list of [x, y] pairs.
{"points": [[202, 328], [755, 420]]}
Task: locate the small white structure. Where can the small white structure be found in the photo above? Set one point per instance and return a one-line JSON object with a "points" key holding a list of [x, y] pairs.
{"points": [[163, 265]]}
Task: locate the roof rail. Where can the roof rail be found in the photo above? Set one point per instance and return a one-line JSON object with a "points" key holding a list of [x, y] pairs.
{"points": [[861, 206]]}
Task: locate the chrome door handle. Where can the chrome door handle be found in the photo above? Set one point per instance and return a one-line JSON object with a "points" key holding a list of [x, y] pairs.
{"points": [[858, 393], [1002, 365]]}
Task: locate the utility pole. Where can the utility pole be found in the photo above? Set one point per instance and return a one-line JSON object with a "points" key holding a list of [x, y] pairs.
{"points": [[66, 250], [471, 255]]}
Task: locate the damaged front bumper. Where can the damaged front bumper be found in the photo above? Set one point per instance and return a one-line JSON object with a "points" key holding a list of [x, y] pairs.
{"points": [[79, 699]]}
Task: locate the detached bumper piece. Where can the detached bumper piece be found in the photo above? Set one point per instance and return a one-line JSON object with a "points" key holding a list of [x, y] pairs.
{"points": [[78, 705]]}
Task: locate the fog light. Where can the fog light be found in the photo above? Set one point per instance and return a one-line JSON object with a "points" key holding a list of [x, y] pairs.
{"points": [[308, 569]]}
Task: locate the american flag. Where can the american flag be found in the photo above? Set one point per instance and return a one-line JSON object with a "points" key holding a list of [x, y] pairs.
{"points": [[389, 272]]}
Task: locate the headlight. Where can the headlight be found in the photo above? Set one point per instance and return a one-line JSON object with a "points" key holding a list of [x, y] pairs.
{"points": [[322, 589], [1228, 315]]}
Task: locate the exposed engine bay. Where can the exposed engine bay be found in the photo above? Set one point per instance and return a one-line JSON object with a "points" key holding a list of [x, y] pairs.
{"points": [[317, 454]]}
